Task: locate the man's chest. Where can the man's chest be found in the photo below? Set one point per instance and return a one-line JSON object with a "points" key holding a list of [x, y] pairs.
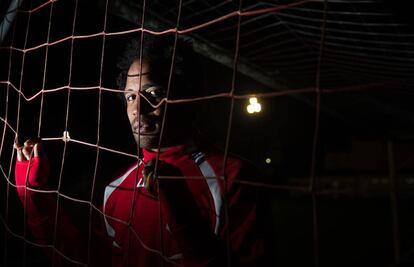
{"points": [[139, 213]]}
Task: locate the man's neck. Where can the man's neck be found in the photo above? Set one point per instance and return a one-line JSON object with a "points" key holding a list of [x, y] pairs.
{"points": [[189, 144], [161, 149]]}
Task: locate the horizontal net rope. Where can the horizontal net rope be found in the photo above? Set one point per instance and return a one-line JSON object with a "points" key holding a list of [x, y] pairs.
{"points": [[323, 36]]}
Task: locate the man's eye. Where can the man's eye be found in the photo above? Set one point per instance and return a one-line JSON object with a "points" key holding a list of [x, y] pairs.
{"points": [[130, 98], [156, 93]]}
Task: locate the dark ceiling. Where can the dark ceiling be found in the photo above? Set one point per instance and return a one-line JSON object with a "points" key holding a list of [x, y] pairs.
{"points": [[364, 42], [359, 53]]}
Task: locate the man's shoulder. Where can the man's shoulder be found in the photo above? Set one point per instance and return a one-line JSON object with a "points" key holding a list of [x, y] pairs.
{"points": [[120, 176], [217, 157], [235, 165]]}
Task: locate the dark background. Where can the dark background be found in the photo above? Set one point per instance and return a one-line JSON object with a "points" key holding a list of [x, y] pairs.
{"points": [[364, 137]]}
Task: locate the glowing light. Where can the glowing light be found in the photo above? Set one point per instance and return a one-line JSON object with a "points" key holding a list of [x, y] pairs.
{"points": [[250, 109], [268, 160], [254, 106]]}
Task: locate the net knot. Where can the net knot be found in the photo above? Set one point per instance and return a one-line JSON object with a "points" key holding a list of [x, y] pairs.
{"points": [[66, 136]]}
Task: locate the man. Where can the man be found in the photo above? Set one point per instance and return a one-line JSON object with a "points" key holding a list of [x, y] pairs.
{"points": [[179, 205]]}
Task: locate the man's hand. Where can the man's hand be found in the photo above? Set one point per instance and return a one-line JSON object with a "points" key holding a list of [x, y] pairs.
{"points": [[32, 167]]}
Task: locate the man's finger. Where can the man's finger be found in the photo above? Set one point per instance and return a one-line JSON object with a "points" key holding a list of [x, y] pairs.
{"points": [[29, 142], [27, 149], [26, 152], [36, 148], [19, 151]]}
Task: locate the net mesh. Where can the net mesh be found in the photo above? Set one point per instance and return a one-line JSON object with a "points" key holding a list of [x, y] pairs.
{"points": [[307, 61]]}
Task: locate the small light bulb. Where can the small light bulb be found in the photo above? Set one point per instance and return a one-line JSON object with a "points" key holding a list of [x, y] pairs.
{"points": [[257, 107], [254, 105], [268, 160], [250, 109]]}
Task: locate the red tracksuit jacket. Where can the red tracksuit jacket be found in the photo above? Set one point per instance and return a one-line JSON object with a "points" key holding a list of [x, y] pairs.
{"points": [[185, 223]]}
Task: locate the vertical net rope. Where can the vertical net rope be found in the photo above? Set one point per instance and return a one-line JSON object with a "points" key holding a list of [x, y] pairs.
{"points": [[322, 40]]}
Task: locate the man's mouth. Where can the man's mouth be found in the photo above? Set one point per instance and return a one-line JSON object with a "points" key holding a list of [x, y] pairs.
{"points": [[146, 128]]}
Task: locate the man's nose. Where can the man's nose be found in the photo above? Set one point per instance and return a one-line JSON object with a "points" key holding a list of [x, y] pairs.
{"points": [[144, 106]]}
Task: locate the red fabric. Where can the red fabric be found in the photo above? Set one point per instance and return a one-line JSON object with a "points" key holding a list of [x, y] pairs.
{"points": [[36, 171], [187, 215], [176, 227], [41, 208]]}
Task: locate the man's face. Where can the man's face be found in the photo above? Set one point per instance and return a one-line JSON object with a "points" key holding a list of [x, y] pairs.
{"points": [[146, 120]]}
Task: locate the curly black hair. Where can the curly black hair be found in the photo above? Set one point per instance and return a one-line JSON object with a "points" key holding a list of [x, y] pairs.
{"points": [[158, 52]]}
